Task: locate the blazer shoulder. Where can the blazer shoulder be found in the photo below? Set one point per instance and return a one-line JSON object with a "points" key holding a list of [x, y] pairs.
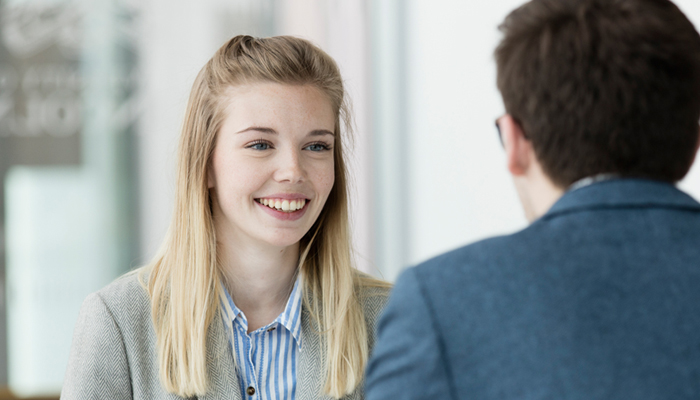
{"points": [[109, 323], [373, 293], [373, 298], [126, 298]]}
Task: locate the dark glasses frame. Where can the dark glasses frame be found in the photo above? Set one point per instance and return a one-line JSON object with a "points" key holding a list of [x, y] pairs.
{"points": [[498, 129]]}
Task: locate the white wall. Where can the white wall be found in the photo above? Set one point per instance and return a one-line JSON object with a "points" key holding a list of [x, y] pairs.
{"points": [[176, 40], [459, 190]]}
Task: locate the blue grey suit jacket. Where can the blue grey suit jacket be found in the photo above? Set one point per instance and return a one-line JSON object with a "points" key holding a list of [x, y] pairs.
{"points": [[598, 299]]}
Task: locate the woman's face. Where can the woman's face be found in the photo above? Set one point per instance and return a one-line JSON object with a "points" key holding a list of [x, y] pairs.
{"points": [[272, 167]]}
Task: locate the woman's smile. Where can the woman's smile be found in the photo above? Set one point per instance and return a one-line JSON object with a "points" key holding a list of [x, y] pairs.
{"points": [[284, 207]]}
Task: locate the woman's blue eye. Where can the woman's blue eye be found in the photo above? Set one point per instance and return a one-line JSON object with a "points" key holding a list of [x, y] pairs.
{"points": [[318, 147], [259, 146]]}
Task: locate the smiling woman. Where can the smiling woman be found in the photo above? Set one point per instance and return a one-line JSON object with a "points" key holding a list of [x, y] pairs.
{"points": [[256, 265]]}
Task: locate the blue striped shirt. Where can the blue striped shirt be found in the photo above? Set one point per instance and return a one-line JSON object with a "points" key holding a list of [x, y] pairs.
{"points": [[266, 359]]}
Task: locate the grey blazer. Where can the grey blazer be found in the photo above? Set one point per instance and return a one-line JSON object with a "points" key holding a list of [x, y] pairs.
{"points": [[113, 354]]}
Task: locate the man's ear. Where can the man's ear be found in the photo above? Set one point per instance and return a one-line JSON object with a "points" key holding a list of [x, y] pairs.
{"points": [[697, 146], [518, 148]]}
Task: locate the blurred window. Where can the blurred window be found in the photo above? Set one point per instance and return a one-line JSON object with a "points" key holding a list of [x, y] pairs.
{"points": [[68, 107]]}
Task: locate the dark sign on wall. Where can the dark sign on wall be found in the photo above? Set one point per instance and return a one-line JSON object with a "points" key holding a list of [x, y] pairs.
{"points": [[40, 85]]}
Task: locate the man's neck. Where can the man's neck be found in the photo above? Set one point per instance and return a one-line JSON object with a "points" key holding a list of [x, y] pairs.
{"points": [[537, 192]]}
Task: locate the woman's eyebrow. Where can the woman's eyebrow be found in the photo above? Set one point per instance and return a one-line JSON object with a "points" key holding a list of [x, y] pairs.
{"points": [[321, 132], [315, 132], [259, 129]]}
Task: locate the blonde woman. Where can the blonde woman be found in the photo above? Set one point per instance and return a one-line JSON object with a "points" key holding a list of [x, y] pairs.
{"points": [[253, 295]]}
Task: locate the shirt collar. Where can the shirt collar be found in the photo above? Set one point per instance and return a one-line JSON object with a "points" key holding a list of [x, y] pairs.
{"points": [[589, 180], [623, 193], [290, 318]]}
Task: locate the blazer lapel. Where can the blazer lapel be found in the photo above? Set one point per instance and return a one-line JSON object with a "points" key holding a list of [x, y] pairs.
{"points": [[310, 377], [223, 380]]}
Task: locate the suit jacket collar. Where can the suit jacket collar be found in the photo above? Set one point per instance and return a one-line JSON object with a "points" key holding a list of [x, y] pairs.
{"points": [[622, 193]]}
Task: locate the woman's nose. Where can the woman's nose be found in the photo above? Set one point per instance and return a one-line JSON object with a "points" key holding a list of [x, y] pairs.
{"points": [[290, 167]]}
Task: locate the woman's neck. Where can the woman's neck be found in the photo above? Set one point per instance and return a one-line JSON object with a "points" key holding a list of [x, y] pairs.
{"points": [[259, 279]]}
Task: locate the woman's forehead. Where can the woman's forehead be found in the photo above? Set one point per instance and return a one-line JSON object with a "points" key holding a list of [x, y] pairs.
{"points": [[274, 103]]}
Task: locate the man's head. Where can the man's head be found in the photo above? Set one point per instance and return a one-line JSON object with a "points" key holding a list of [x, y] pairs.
{"points": [[602, 86]]}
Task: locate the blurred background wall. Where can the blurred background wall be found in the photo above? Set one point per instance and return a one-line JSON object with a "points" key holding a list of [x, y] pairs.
{"points": [[92, 95]]}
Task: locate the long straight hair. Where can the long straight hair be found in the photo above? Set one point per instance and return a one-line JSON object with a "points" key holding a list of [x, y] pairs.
{"points": [[185, 279]]}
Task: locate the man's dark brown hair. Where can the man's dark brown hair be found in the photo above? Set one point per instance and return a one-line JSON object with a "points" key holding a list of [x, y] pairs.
{"points": [[603, 86]]}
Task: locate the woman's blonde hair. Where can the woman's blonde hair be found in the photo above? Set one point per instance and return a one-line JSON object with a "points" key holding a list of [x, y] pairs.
{"points": [[185, 278]]}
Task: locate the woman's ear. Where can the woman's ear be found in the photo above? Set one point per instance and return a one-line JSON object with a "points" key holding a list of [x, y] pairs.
{"points": [[518, 148], [210, 177]]}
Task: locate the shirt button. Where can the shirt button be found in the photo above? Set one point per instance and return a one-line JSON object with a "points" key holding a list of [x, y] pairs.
{"points": [[271, 329], [250, 391]]}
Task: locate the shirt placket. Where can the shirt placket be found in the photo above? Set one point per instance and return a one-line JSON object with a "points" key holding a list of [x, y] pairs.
{"points": [[259, 348], [254, 387], [248, 380], [253, 390]]}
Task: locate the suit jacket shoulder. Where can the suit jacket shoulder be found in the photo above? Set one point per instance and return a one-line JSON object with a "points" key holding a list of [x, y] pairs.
{"points": [[589, 301]]}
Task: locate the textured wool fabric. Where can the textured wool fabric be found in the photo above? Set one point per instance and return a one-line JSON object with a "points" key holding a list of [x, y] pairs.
{"points": [[113, 354], [598, 299]]}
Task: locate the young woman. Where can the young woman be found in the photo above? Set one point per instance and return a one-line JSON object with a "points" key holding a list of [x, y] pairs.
{"points": [[253, 294]]}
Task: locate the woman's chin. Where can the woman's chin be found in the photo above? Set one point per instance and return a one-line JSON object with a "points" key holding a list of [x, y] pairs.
{"points": [[283, 241]]}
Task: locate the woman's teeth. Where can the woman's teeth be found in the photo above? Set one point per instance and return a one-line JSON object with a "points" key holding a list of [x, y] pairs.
{"points": [[283, 205]]}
